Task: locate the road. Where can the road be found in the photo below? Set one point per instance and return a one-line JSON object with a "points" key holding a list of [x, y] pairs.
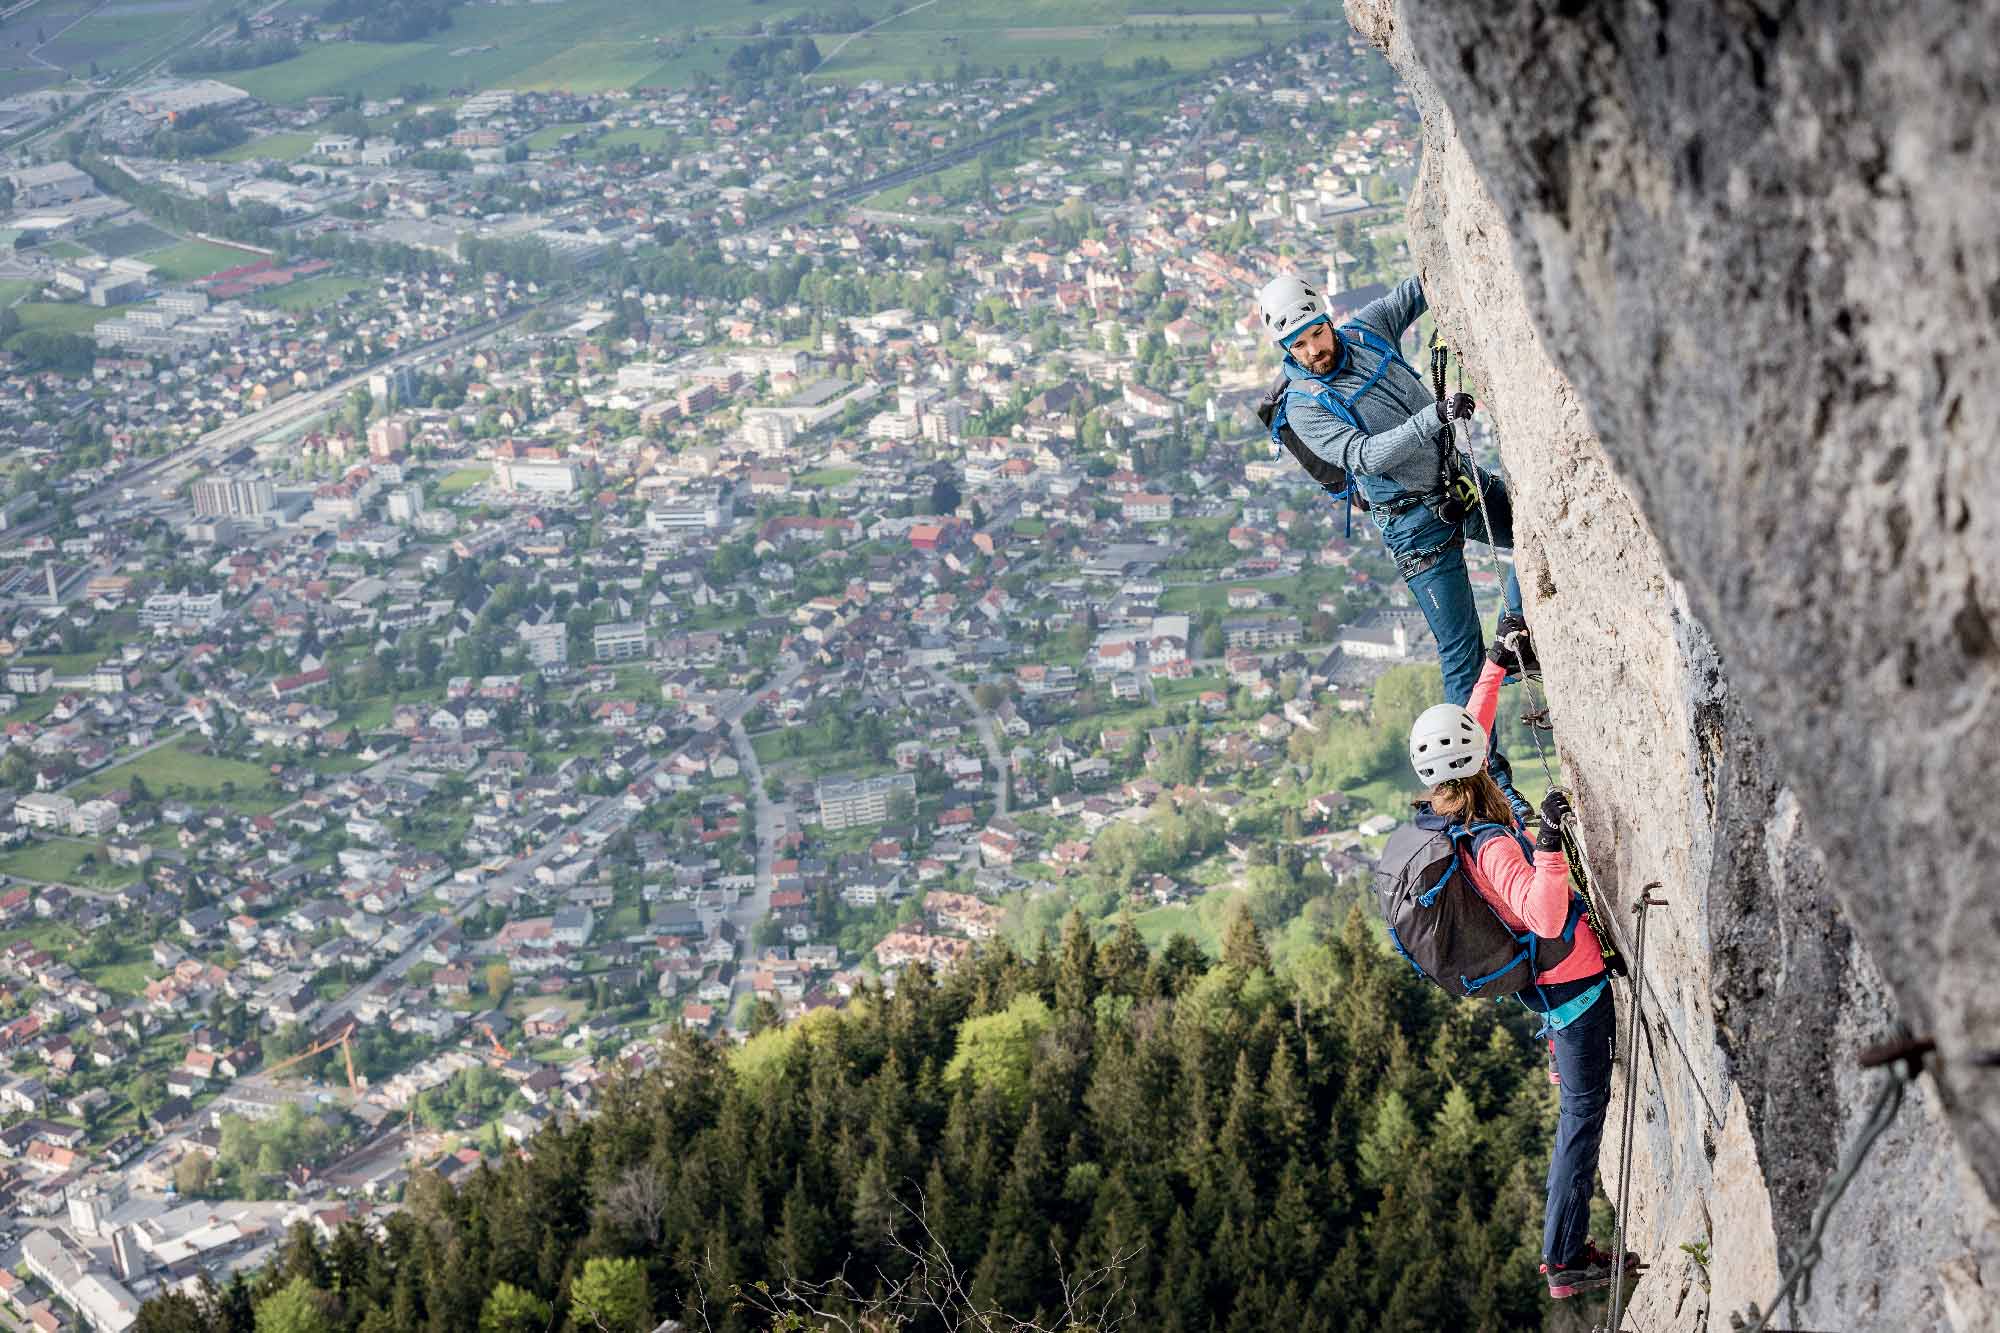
{"points": [[35, 52], [773, 822], [982, 720]]}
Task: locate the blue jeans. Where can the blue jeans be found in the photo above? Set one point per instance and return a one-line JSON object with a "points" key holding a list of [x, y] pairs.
{"points": [[1583, 1059], [1420, 540]]}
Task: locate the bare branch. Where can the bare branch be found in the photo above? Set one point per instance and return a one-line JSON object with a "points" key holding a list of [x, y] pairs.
{"points": [[637, 1203]]}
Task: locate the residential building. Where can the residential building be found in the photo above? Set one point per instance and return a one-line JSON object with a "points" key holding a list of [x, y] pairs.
{"points": [[231, 495], [619, 641], [572, 926], [45, 810], [171, 610], [852, 803], [1253, 634], [93, 819], [548, 645], [405, 504], [696, 510]]}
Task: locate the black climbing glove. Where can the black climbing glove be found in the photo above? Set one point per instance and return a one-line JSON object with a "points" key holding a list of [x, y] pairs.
{"points": [[1555, 809], [1509, 637], [1457, 407]]}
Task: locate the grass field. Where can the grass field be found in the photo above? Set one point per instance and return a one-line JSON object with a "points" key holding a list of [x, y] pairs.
{"points": [[176, 771], [56, 862], [989, 33], [456, 483], [310, 294], [600, 45], [580, 45], [54, 937], [828, 477], [896, 196], [49, 42], [117, 40], [66, 664], [63, 317], [285, 146], [1163, 923], [546, 138], [197, 259], [1286, 593], [128, 977]]}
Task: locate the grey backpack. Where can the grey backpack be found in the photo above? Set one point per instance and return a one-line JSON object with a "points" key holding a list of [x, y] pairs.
{"points": [[1442, 925]]}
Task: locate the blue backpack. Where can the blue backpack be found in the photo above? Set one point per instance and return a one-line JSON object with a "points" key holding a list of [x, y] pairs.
{"points": [[1272, 411], [1444, 927]]}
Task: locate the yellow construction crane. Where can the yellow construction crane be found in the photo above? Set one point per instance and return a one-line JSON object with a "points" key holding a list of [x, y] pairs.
{"points": [[346, 1051], [499, 1049]]}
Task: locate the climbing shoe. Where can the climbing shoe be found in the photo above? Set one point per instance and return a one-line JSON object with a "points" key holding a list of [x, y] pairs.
{"points": [[1592, 1270], [1571, 1279]]}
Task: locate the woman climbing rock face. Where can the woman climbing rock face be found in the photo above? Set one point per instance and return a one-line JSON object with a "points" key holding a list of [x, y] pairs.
{"points": [[1527, 887]]}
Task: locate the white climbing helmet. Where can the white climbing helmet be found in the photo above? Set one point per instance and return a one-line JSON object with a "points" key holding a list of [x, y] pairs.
{"points": [[1447, 742], [1288, 304]]}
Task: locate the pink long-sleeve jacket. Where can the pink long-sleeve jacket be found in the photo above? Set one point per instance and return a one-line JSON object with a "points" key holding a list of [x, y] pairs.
{"points": [[1528, 895]]}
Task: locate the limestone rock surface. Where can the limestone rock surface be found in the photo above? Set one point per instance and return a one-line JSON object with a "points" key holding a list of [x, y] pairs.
{"points": [[1727, 280]]}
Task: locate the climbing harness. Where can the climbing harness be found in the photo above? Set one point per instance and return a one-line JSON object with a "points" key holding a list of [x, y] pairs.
{"points": [[1905, 1061], [1647, 901]]}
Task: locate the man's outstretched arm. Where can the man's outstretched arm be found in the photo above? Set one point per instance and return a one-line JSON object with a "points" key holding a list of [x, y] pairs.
{"points": [[1392, 314]]}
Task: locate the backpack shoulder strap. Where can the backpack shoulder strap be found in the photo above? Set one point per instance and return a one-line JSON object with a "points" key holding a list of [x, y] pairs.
{"points": [[1332, 477], [1324, 395], [1375, 342]]}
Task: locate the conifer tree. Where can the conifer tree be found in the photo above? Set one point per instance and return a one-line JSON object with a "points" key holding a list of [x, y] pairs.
{"points": [[1243, 943]]}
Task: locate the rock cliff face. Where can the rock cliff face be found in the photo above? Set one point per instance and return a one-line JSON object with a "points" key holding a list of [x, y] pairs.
{"points": [[1727, 281]]}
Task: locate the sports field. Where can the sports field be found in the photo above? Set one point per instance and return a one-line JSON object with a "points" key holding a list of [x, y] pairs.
{"points": [[128, 238], [196, 259]]}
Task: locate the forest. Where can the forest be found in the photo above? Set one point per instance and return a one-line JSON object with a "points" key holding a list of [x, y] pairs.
{"points": [[1101, 1135]]}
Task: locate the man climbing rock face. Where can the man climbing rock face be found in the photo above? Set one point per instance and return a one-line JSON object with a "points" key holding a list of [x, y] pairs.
{"points": [[1351, 399]]}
